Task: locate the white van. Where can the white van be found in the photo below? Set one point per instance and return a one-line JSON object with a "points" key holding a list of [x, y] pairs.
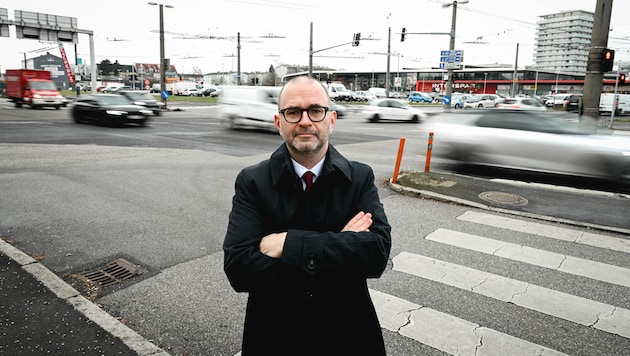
{"points": [[606, 104], [338, 92], [248, 106]]}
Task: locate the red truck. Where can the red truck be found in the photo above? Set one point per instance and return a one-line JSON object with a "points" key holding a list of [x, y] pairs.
{"points": [[33, 87]]}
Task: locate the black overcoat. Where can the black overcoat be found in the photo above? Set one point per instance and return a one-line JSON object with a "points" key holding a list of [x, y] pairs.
{"points": [[314, 300]]}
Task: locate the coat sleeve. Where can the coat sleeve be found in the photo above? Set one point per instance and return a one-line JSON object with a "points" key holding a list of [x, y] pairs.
{"points": [[244, 264], [349, 254]]}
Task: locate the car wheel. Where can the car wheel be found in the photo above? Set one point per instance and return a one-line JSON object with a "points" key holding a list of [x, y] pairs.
{"points": [[374, 118], [415, 118], [457, 106], [480, 106]]}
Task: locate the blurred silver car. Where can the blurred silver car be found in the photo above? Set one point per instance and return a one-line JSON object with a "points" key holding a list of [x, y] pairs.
{"points": [[521, 103], [391, 109], [529, 140]]}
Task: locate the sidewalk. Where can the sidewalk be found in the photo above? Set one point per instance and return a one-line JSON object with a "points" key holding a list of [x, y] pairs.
{"points": [[41, 315]]}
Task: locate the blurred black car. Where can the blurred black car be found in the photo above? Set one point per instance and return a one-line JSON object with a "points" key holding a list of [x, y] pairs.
{"points": [[109, 109], [143, 98]]}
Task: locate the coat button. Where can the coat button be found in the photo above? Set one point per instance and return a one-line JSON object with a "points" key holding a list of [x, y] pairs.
{"points": [[311, 264]]}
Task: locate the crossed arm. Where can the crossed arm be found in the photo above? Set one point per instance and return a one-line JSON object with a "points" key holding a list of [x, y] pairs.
{"points": [[272, 244]]}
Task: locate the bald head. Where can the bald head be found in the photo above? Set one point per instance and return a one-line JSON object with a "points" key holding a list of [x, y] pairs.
{"points": [[303, 80]]}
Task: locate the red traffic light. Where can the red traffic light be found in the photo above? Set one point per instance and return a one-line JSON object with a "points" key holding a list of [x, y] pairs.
{"points": [[608, 57], [622, 78]]}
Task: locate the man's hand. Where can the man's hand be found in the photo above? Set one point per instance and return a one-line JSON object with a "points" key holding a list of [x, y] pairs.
{"points": [[272, 244], [359, 223]]}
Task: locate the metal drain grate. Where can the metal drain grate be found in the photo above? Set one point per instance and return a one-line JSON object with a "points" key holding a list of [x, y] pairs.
{"points": [[114, 272], [503, 198]]}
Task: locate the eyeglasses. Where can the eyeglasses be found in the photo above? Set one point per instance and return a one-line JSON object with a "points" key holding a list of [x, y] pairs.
{"points": [[294, 115]]}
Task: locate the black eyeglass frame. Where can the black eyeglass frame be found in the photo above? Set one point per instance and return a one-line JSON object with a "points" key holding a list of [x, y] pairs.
{"points": [[283, 111]]}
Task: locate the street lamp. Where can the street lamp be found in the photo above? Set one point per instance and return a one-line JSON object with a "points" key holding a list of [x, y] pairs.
{"points": [[451, 47], [162, 59]]}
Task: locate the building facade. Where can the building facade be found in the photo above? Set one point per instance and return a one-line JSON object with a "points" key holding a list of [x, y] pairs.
{"points": [[563, 40]]}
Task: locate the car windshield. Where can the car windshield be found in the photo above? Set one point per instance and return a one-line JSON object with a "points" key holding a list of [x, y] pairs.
{"points": [[35, 85]]}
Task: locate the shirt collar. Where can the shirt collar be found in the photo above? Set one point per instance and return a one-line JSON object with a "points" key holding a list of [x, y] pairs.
{"points": [[300, 169]]}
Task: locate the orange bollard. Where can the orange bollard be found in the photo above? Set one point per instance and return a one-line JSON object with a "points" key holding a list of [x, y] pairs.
{"points": [[429, 150], [401, 147]]}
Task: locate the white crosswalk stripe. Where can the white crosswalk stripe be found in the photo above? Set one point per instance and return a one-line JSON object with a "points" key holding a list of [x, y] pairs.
{"points": [[563, 263], [456, 336], [447, 333]]}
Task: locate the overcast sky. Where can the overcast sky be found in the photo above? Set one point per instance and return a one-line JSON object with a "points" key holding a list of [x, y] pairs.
{"points": [[128, 31]]}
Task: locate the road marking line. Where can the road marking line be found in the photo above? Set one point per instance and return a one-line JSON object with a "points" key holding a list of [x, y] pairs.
{"points": [[447, 333], [556, 261], [554, 232], [569, 307]]}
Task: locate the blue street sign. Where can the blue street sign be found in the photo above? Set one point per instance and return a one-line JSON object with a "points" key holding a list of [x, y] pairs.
{"points": [[446, 100], [165, 94]]}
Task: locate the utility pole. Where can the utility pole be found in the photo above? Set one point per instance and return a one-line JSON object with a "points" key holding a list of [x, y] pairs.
{"points": [[451, 47], [238, 58], [389, 40], [594, 75]]}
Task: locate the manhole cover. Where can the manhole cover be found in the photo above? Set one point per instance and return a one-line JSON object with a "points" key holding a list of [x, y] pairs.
{"points": [[503, 198], [114, 272]]}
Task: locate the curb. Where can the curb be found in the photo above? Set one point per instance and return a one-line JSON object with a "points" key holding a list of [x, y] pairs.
{"points": [[413, 192], [91, 311]]}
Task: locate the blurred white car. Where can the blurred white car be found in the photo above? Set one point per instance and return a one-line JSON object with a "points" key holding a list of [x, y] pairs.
{"points": [[521, 103], [528, 140], [391, 109]]}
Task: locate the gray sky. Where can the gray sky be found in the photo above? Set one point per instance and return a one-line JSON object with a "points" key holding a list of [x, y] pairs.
{"points": [[128, 31]]}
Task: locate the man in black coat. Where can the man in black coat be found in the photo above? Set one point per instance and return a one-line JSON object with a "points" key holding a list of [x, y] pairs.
{"points": [[304, 250]]}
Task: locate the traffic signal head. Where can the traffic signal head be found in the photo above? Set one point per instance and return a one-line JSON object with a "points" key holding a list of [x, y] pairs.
{"points": [[621, 79], [357, 37], [402, 35], [608, 57]]}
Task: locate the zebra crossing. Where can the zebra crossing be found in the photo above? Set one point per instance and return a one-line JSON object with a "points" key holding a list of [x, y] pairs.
{"points": [[456, 336]]}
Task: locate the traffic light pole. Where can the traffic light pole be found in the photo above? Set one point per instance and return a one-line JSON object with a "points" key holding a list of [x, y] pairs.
{"points": [[355, 42], [594, 74]]}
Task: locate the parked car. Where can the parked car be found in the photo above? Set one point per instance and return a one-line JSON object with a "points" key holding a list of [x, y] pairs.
{"points": [[557, 101], [109, 109], [211, 92], [191, 92], [574, 103], [458, 100], [142, 98], [118, 89], [366, 95], [521, 103], [419, 97], [529, 141], [482, 101], [358, 96], [391, 109]]}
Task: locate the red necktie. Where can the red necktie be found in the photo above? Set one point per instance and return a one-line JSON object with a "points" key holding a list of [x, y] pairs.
{"points": [[308, 179]]}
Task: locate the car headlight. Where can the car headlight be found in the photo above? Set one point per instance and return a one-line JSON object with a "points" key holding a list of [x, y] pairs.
{"points": [[116, 112], [37, 96], [146, 112], [139, 103]]}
